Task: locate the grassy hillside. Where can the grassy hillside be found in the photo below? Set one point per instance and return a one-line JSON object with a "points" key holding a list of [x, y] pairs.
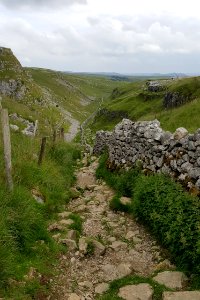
{"points": [[139, 104], [25, 243], [78, 94]]}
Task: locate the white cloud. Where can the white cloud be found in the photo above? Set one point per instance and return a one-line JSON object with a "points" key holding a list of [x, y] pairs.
{"points": [[104, 35], [37, 4]]}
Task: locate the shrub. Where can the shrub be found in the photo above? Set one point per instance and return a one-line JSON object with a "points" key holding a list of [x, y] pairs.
{"points": [[172, 215], [122, 181]]}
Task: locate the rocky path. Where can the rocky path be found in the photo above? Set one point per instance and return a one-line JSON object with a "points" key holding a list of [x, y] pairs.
{"points": [[111, 246]]}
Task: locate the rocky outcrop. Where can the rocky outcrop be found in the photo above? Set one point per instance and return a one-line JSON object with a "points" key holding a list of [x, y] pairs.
{"points": [[11, 75], [175, 99], [158, 151], [12, 88], [154, 86]]}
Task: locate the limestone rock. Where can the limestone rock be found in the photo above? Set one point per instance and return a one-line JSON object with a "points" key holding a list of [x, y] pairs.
{"points": [[125, 200], [142, 291], [180, 133], [55, 227], [85, 179], [14, 127], [86, 284], [112, 272], [190, 295], [80, 208], [64, 214], [83, 245], [172, 279], [74, 296], [118, 245], [130, 234], [70, 243], [99, 248], [72, 234], [101, 288], [66, 222]]}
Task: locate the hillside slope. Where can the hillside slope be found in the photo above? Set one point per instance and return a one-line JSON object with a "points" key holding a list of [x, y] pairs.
{"points": [[136, 102]]}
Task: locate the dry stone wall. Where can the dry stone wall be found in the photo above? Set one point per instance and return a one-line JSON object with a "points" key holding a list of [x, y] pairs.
{"points": [[158, 151]]}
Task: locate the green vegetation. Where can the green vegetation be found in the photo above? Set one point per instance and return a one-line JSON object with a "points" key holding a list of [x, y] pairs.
{"points": [[78, 94], [117, 284], [170, 213], [24, 240], [140, 104], [77, 225]]}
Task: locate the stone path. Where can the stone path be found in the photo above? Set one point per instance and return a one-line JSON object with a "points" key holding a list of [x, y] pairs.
{"points": [[112, 245]]}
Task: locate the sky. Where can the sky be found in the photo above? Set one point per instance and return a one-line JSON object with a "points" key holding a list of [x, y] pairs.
{"points": [[124, 36]]}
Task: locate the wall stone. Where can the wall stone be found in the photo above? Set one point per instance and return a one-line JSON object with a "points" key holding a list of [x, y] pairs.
{"points": [[177, 155]]}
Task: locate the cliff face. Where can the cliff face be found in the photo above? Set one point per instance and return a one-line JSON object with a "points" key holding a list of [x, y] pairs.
{"points": [[12, 75]]}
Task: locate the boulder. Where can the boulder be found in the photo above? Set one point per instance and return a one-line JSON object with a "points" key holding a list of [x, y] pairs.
{"points": [[180, 133], [172, 279], [142, 291], [190, 295]]}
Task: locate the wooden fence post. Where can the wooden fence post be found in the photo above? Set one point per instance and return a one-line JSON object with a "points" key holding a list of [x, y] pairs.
{"points": [[42, 149], [7, 147], [35, 127]]}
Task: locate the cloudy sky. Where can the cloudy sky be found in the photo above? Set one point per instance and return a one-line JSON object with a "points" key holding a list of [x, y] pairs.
{"points": [[125, 36]]}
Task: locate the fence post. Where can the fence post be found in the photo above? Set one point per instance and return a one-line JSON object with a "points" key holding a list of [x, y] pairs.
{"points": [[42, 149], [7, 147], [35, 127]]}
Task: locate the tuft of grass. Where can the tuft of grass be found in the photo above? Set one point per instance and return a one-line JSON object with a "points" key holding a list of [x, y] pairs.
{"points": [[116, 205], [78, 223]]}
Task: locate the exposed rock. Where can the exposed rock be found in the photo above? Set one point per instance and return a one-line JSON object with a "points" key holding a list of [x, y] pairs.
{"points": [[112, 272], [14, 127], [64, 214], [180, 133], [125, 200], [172, 279], [118, 245], [74, 296], [83, 245], [71, 244], [86, 284], [54, 227], [99, 248], [101, 288], [66, 222], [72, 234], [190, 295], [142, 291]]}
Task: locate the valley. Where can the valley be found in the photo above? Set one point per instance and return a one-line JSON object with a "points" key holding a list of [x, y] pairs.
{"points": [[74, 227]]}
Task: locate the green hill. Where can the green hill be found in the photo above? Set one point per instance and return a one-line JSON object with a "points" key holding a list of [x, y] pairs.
{"points": [[136, 102]]}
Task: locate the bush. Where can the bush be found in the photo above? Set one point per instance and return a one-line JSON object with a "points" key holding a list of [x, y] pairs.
{"points": [[122, 181], [172, 215]]}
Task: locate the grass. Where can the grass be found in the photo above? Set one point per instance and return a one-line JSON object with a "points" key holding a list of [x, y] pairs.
{"points": [[142, 105], [24, 240], [78, 94]]}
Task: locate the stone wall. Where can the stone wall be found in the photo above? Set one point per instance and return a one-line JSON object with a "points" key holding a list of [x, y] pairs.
{"points": [[159, 151]]}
